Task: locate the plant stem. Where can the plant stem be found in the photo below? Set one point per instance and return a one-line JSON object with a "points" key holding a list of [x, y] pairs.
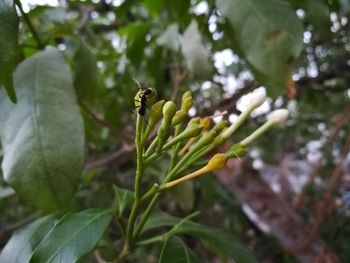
{"points": [[26, 19], [138, 191], [146, 215]]}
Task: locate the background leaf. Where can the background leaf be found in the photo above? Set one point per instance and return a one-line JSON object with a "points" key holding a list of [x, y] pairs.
{"points": [[9, 54], [73, 237], [268, 34], [86, 75], [22, 243], [195, 53], [175, 250], [42, 135]]}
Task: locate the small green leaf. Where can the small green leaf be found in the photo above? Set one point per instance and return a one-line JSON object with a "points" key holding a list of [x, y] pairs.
{"points": [[73, 237], [86, 74], [123, 198], [9, 54], [170, 38], [268, 34], [22, 243], [42, 135], [195, 53], [175, 251]]}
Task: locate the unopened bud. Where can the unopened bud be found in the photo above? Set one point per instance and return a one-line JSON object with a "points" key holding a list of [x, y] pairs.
{"points": [[257, 98], [186, 102], [205, 122], [220, 126], [237, 150], [156, 112], [278, 116], [218, 161], [169, 110], [179, 117], [190, 132]]}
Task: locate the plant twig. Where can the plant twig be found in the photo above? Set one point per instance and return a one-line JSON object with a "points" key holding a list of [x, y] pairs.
{"points": [[26, 19]]}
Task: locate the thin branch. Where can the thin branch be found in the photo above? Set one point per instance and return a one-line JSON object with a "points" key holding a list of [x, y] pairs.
{"points": [[115, 132], [26, 19]]}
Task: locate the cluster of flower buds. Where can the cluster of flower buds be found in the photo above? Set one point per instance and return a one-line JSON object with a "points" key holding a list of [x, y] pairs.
{"points": [[190, 142]]}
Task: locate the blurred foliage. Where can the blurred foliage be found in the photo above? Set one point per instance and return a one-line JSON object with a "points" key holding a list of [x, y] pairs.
{"points": [[217, 51]]}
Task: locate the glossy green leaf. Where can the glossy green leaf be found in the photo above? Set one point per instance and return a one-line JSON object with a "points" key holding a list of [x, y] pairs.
{"points": [[22, 243], [73, 237], [195, 53], [217, 240], [86, 75], [42, 135], [268, 34], [175, 251], [9, 54], [123, 198]]}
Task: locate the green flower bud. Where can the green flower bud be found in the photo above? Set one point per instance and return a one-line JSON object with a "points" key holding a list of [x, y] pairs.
{"points": [[220, 126], [205, 122], [206, 139], [156, 112], [179, 117], [191, 131], [186, 102], [237, 150], [169, 110]]}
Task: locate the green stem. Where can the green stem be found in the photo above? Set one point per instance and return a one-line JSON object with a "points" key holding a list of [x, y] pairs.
{"points": [[151, 147], [138, 191], [146, 215], [26, 19]]}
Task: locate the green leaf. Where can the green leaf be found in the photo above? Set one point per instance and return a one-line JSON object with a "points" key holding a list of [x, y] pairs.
{"points": [[73, 237], [86, 74], [42, 135], [195, 53], [170, 38], [268, 34], [123, 198], [135, 34], [9, 54], [318, 14], [175, 251], [22, 243], [217, 240]]}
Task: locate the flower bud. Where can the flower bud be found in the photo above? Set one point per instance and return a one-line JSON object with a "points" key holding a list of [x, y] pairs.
{"points": [[191, 131], [169, 110], [237, 150], [257, 98], [205, 122], [278, 116], [186, 101], [218, 161], [179, 117], [206, 139], [156, 112], [220, 126]]}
